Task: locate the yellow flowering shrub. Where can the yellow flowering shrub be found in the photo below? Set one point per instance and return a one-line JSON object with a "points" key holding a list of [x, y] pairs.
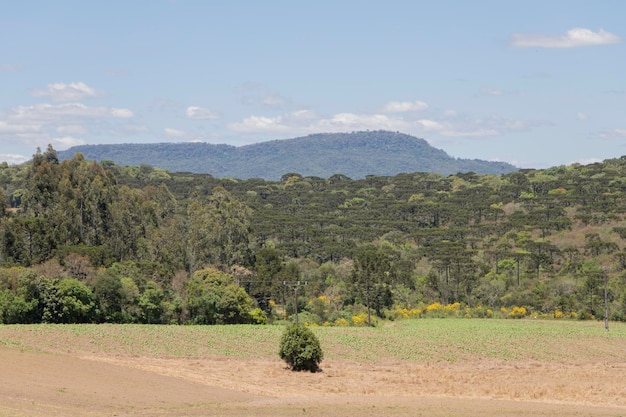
{"points": [[433, 307], [462, 310], [341, 322], [518, 312], [454, 307], [359, 319], [405, 313]]}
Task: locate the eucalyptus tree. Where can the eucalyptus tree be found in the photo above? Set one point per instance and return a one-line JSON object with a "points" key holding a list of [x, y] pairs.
{"points": [[219, 231]]}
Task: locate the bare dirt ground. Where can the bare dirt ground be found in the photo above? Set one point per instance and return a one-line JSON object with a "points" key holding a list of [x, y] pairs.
{"points": [[79, 384]]}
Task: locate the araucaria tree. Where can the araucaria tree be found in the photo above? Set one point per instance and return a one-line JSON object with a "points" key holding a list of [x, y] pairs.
{"points": [[371, 277]]}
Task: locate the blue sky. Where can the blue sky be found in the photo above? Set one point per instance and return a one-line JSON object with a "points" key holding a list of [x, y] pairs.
{"points": [[534, 83]]}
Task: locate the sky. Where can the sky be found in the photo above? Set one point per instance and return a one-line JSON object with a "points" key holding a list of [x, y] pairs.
{"points": [[534, 83]]}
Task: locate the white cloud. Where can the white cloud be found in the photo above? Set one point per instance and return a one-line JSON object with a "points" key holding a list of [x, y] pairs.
{"points": [[571, 39], [11, 158], [297, 122], [6, 128], [62, 125], [122, 113], [66, 142], [67, 92], [302, 115], [305, 121], [351, 121], [255, 124], [446, 124], [64, 112], [404, 106], [582, 116], [175, 133], [200, 113], [430, 124]]}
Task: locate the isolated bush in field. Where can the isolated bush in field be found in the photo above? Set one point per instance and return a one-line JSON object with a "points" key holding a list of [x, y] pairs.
{"points": [[300, 348]]}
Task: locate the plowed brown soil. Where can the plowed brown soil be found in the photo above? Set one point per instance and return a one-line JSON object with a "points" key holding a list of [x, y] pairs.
{"points": [[61, 384]]}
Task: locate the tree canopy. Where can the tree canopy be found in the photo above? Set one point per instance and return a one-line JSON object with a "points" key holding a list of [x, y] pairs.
{"points": [[95, 241]]}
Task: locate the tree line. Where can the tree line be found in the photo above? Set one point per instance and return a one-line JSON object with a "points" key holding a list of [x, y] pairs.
{"points": [[82, 241]]}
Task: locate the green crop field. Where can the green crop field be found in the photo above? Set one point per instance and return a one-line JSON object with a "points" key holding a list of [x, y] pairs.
{"points": [[423, 340]]}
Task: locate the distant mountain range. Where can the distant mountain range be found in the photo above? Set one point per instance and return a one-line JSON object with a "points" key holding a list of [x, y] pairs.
{"points": [[355, 155]]}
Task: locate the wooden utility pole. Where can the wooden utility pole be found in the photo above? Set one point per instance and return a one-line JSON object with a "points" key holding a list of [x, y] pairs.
{"points": [[606, 301], [296, 285]]}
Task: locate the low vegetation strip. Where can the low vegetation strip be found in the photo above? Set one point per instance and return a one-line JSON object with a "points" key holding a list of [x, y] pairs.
{"points": [[423, 341]]}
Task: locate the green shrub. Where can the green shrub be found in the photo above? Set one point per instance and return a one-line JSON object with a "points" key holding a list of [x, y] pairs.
{"points": [[258, 316], [307, 318], [300, 348]]}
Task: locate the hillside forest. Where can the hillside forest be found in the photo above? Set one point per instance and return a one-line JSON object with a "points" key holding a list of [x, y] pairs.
{"points": [[359, 154], [87, 241]]}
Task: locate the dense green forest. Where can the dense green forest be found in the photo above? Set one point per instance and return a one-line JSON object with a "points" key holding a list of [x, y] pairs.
{"points": [[87, 241], [355, 154]]}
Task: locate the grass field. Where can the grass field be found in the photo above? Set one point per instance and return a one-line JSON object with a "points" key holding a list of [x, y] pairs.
{"points": [[409, 367], [422, 341]]}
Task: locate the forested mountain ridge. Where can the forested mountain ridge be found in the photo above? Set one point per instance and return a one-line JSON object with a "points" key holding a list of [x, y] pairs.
{"points": [[88, 241], [355, 155]]}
